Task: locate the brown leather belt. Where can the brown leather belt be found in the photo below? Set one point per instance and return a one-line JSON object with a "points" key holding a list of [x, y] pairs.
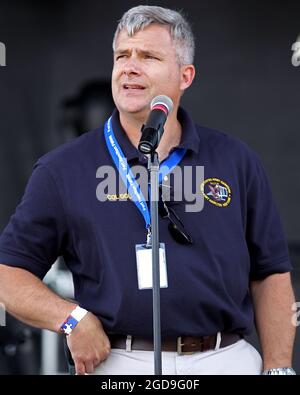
{"points": [[182, 345]]}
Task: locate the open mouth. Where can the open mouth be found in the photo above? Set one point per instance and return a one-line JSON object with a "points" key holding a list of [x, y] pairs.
{"points": [[133, 87]]}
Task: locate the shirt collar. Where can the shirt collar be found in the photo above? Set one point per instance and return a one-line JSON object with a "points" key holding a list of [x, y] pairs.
{"points": [[190, 139]]}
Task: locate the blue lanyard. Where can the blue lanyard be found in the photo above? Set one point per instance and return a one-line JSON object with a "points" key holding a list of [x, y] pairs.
{"points": [[126, 174]]}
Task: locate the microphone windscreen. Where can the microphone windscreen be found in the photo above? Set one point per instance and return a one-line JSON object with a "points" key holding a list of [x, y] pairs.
{"points": [[162, 100]]}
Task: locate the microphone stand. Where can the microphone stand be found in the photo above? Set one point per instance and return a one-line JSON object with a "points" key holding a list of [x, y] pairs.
{"points": [[153, 167]]}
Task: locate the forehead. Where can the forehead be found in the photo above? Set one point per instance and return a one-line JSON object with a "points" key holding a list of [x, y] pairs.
{"points": [[155, 37]]}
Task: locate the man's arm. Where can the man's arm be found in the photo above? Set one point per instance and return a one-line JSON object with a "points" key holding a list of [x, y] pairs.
{"points": [[28, 299], [273, 298]]}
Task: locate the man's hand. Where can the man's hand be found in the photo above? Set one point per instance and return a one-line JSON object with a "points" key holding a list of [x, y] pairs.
{"points": [[28, 299], [88, 344]]}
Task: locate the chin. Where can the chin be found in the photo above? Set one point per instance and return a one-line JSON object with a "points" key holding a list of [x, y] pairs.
{"points": [[134, 108]]}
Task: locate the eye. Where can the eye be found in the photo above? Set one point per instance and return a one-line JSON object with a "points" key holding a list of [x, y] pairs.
{"points": [[118, 57], [151, 57]]}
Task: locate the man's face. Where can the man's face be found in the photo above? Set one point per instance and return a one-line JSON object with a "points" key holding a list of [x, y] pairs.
{"points": [[145, 66]]}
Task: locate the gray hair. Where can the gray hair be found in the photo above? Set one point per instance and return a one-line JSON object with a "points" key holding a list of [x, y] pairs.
{"points": [[137, 18]]}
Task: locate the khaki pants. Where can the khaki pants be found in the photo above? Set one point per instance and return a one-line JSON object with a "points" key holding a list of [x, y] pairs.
{"points": [[240, 358]]}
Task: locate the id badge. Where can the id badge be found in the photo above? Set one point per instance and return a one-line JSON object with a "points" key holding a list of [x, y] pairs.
{"points": [[144, 266]]}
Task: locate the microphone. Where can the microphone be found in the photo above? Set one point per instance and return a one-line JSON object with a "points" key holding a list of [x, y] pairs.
{"points": [[153, 130]]}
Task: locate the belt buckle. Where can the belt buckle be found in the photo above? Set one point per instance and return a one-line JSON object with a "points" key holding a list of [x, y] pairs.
{"points": [[180, 345]]}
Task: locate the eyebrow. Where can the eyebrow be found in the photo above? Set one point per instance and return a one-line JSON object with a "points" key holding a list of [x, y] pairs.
{"points": [[142, 51], [121, 51]]}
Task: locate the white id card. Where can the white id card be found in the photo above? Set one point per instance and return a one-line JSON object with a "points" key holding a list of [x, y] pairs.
{"points": [[144, 266]]}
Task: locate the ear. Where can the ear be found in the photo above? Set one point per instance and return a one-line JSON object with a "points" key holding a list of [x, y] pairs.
{"points": [[187, 76]]}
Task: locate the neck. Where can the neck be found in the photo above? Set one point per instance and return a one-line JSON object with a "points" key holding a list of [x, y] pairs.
{"points": [[170, 139]]}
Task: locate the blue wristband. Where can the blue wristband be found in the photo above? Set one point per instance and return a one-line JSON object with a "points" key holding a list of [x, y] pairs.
{"points": [[73, 319]]}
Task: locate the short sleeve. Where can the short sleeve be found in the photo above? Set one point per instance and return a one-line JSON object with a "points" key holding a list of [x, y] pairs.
{"points": [[36, 233], [265, 237]]}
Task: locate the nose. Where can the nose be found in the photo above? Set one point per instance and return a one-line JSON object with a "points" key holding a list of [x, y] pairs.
{"points": [[131, 67]]}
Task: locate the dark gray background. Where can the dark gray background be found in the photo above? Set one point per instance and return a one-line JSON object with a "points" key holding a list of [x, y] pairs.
{"points": [[246, 84]]}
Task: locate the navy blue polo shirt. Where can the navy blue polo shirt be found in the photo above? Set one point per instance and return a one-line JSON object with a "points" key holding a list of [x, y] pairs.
{"points": [[238, 235]]}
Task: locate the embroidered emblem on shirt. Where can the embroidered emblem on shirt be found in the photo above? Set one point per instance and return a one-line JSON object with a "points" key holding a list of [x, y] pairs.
{"points": [[216, 192]]}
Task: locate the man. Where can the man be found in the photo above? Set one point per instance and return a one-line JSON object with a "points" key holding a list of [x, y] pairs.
{"points": [[235, 257]]}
